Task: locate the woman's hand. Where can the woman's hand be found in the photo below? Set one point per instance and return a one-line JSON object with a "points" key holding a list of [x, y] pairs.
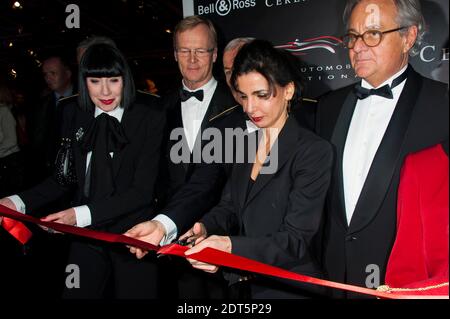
{"points": [[222, 243], [66, 217], [195, 235]]}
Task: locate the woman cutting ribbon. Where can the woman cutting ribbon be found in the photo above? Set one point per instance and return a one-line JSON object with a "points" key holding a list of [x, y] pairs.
{"points": [[271, 209], [114, 152]]}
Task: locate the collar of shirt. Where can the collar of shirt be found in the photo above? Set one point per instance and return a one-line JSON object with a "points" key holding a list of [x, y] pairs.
{"points": [[251, 127], [117, 112], [66, 93], [207, 88], [389, 81], [193, 111]]}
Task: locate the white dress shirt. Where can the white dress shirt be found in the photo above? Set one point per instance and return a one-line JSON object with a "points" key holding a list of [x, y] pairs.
{"points": [[82, 213], [367, 128], [192, 111]]}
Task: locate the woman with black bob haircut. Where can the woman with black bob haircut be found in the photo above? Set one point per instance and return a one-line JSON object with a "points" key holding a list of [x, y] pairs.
{"points": [[271, 208], [114, 148], [105, 61]]}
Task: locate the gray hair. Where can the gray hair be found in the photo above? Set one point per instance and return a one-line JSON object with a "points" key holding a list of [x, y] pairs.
{"points": [[409, 13], [190, 23], [236, 43]]}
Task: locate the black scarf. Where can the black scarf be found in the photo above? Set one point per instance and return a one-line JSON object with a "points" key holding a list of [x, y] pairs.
{"points": [[105, 135]]}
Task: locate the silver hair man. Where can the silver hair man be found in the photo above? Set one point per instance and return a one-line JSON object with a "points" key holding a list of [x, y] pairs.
{"points": [[409, 13], [229, 54]]}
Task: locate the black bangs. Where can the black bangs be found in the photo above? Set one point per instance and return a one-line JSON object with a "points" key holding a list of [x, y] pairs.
{"points": [[100, 63], [103, 72]]}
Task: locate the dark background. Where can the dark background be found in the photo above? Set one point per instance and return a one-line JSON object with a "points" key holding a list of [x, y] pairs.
{"points": [[281, 21], [142, 30], [139, 27]]}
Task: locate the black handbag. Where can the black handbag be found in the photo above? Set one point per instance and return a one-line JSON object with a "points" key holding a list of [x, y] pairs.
{"points": [[65, 173]]}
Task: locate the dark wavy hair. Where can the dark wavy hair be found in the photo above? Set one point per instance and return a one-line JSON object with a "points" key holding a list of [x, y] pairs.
{"points": [[103, 60], [277, 66]]}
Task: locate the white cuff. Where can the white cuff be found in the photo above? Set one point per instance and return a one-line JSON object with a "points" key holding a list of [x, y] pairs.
{"points": [[170, 228], [18, 202], [83, 215]]}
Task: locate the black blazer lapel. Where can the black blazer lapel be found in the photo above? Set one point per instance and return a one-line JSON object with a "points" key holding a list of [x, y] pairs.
{"points": [[388, 156], [82, 122], [242, 171], [241, 180], [338, 139], [221, 100], [175, 118], [175, 121], [130, 123], [281, 152]]}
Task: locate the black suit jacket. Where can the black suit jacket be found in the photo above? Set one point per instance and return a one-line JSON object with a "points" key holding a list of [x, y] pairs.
{"points": [[179, 173], [276, 222], [135, 168], [305, 113], [44, 124], [188, 190], [420, 120]]}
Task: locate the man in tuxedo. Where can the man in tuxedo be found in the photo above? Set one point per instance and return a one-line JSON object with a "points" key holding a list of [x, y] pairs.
{"points": [[373, 125], [190, 188]]}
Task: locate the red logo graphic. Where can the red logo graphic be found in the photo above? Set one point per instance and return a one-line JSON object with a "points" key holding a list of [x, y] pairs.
{"points": [[298, 47]]}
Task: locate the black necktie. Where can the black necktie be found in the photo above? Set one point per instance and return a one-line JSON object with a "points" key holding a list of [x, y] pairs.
{"points": [[105, 135], [186, 95], [384, 91]]}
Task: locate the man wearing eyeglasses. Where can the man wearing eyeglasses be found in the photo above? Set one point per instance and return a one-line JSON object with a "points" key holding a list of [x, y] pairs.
{"points": [[373, 125], [189, 189]]}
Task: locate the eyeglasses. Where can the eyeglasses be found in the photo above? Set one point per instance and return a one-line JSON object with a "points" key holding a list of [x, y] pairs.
{"points": [[184, 52], [371, 38]]}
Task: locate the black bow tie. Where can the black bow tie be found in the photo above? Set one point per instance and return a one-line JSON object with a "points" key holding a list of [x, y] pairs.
{"points": [[186, 95], [384, 91], [104, 135]]}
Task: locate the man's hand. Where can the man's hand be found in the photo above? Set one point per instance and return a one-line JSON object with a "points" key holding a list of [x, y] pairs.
{"points": [[67, 217], [8, 203], [151, 232]]}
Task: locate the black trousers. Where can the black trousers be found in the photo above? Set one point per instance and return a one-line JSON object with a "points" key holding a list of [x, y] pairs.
{"points": [[196, 284], [109, 271]]}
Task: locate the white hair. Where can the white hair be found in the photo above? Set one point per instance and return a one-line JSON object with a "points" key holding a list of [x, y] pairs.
{"points": [[236, 43], [409, 13]]}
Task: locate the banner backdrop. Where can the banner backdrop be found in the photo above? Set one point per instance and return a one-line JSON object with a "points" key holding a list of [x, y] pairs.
{"points": [[311, 29]]}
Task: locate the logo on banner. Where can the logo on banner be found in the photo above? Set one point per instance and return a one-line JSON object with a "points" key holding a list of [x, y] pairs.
{"points": [[298, 47], [223, 7], [324, 72]]}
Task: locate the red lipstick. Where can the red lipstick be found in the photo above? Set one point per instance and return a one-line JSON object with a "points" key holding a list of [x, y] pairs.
{"points": [[107, 102], [257, 119]]}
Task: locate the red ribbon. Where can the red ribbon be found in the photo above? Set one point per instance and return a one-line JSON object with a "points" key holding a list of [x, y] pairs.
{"points": [[18, 230], [207, 255]]}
